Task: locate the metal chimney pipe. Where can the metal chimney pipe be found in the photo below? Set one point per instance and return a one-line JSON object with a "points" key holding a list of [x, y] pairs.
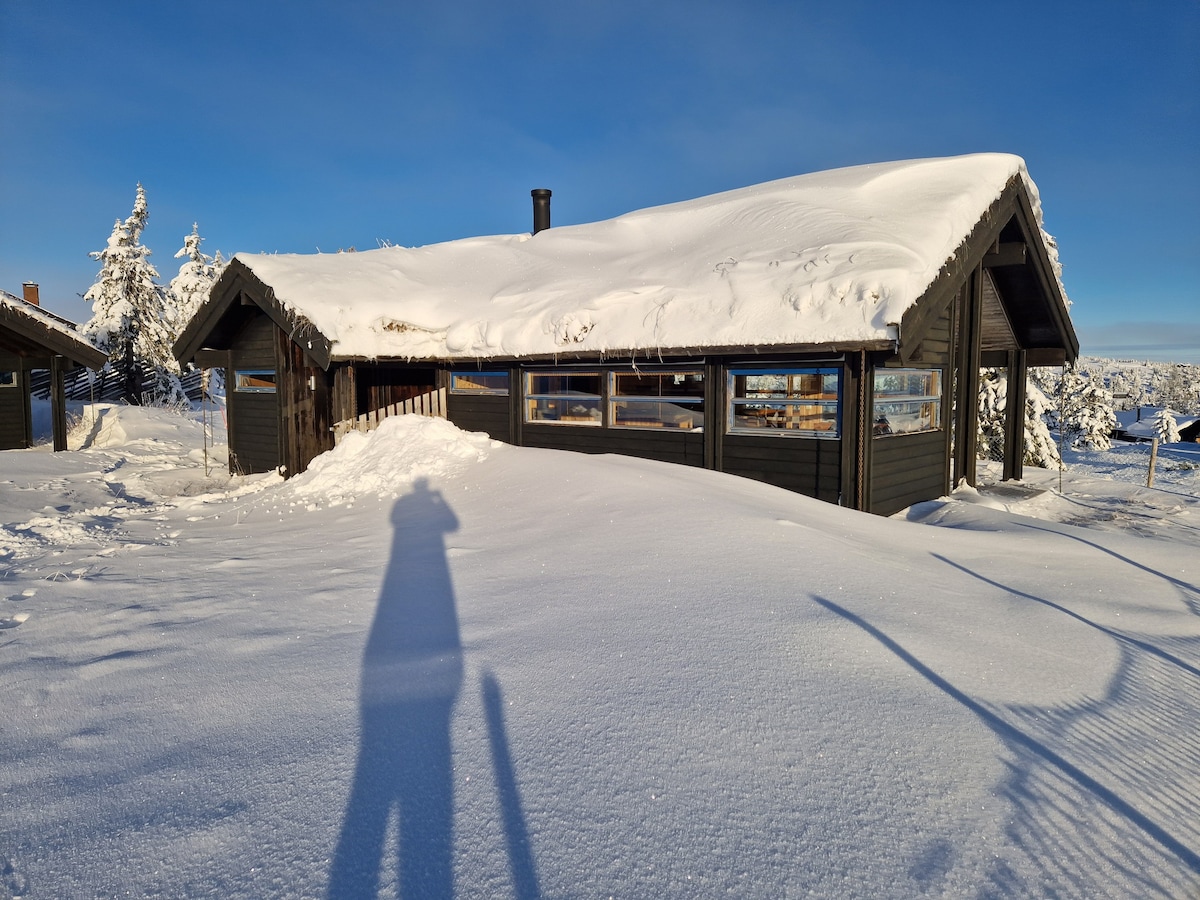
{"points": [[29, 291], [541, 209]]}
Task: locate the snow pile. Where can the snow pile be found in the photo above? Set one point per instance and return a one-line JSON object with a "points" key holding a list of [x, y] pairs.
{"points": [[386, 461], [836, 255]]}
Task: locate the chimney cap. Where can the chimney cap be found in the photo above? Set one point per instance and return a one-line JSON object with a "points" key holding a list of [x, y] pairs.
{"points": [[541, 209]]}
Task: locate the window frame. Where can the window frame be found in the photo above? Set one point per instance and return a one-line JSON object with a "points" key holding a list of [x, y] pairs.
{"points": [[238, 388], [690, 403], [455, 388], [13, 379], [529, 397], [936, 400], [822, 369]]}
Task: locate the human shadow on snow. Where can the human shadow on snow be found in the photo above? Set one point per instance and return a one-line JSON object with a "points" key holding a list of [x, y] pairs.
{"points": [[411, 675]]}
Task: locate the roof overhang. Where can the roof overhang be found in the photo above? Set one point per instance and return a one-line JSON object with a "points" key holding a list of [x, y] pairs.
{"points": [[232, 301], [1007, 241]]}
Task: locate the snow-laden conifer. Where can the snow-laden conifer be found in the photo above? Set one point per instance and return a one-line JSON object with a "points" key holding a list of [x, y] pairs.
{"points": [[1166, 429], [1094, 421], [993, 409], [1040, 449], [128, 314], [993, 405], [189, 289]]}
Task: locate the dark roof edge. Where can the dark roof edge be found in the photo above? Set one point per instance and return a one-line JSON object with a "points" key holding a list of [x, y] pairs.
{"points": [[645, 356], [26, 320]]}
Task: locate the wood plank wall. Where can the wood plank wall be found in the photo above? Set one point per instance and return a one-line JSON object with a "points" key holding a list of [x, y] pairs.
{"points": [[253, 418], [15, 427]]}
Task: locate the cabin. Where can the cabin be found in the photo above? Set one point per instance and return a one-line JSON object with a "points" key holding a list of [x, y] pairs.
{"points": [[1137, 425], [33, 338], [823, 333]]}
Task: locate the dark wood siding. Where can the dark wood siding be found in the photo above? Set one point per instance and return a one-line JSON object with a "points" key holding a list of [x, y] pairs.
{"points": [[806, 466], [489, 413], [936, 347], [14, 421], [304, 406], [380, 385], [253, 418], [685, 448], [906, 469]]}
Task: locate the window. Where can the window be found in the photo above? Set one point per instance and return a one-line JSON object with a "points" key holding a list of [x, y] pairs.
{"points": [[8, 379], [563, 398], [254, 381], [785, 401], [657, 399], [495, 383], [907, 401]]}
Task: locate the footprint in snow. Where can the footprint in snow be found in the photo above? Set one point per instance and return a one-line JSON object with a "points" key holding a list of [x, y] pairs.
{"points": [[14, 621]]}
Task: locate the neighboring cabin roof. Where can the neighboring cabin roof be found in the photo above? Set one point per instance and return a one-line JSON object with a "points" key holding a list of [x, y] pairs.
{"points": [[31, 332], [835, 257]]}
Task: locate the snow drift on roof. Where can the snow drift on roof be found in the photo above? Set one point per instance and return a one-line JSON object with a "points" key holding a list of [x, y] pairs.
{"points": [[832, 256], [44, 317]]}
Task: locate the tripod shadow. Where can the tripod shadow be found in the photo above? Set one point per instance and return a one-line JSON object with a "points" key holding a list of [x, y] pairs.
{"points": [[411, 675]]}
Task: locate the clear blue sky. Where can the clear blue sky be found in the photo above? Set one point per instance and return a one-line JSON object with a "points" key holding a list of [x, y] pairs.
{"points": [[297, 126]]}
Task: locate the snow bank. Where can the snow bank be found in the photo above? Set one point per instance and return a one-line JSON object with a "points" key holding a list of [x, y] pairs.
{"points": [[386, 461]]}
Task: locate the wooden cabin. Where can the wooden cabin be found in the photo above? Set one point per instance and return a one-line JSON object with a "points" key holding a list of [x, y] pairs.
{"points": [[822, 333], [33, 338]]}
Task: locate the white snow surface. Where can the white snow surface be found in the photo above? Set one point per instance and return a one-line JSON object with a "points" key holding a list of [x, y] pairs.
{"points": [[831, 256], [435, 665]]}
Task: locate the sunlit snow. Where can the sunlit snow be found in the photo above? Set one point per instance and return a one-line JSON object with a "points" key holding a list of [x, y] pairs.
{"points": [[830, 256], [445, 663]]}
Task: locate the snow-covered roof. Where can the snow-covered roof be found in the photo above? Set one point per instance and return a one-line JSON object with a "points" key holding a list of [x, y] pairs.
{"points": [[1129, 422], [45, 329], [836, 256]]}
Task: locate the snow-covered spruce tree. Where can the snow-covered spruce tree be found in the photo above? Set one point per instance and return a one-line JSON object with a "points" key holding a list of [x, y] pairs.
{"points": [[1083, 413], [993, 407], [189, 289], [1166, 429], [1094, 421], [1039, 445], [128, 314], [993, 401]]}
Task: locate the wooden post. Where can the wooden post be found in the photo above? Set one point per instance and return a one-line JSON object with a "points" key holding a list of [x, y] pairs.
{"points": [[1014, 414], [1153, 460], [58, 403]]}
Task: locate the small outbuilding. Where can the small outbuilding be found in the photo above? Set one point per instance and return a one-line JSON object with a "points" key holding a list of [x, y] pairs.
{"points": [[34, 338], [823, 333]]}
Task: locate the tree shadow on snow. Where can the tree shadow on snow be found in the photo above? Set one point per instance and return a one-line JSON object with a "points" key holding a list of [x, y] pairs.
{"points": [[411, 675], [1092, 789]]}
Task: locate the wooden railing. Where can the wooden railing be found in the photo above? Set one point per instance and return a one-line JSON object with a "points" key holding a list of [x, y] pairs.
{"points": [[431, 404]]}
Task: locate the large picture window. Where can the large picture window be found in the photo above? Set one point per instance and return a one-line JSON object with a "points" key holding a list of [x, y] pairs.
{"points": [[254, 381], [564, 398], [493, 383], [662, 399], [907, 401], [785, 400]]}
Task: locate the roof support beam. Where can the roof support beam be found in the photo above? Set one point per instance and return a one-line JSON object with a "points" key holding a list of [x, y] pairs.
{"points": [[1012, 254]]}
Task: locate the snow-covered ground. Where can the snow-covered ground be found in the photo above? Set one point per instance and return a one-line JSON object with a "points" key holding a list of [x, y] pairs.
{"points": [[444, 664]]}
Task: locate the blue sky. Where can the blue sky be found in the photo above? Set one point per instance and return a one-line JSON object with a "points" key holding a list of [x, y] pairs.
{"points": [[300, 126]]}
